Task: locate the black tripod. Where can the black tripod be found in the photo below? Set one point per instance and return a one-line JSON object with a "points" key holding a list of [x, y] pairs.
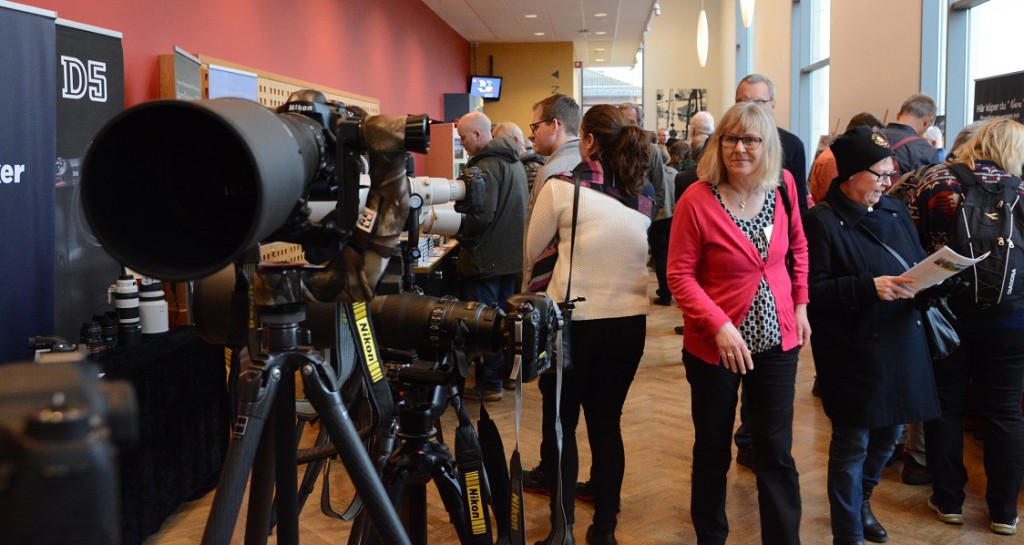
{"points": [[422, 458], [266, 392]]}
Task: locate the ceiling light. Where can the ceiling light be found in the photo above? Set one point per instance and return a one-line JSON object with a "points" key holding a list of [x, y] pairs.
{"points": [[530, 15], [599, 49], [598, 60], [747, 10], [602, 14], [600, 33], [538, 33], [702, 36]]}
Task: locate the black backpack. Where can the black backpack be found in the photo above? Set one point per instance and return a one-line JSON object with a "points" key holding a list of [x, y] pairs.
{"points": [[988, 221]]}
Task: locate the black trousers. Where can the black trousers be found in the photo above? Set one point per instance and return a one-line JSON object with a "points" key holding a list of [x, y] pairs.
{"points": [[657, 237], [993, 361], [713, 393], [605, 355]]}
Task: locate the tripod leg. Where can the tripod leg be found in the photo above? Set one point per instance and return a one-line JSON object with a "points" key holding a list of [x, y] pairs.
{"points": [[261, 489], [286, 465], [256, 397], [333, 416]]}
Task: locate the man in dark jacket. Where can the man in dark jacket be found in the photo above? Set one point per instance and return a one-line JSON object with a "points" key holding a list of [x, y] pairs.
{"points": [[491, 242], [758, 88], [910, 150]]}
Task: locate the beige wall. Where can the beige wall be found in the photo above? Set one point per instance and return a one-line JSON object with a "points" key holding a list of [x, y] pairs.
{"points": [[670, 55], [876, 61], [527, 69], [773, 55]]}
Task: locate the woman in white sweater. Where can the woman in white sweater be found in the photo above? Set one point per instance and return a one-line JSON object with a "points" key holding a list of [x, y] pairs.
{"points": [[609, 276]]}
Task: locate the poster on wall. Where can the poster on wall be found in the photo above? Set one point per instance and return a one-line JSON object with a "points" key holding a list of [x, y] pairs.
{"points": [[90, 91], [999, 96], [229, 82], [676, 107], [27, 145], [188, 80]]}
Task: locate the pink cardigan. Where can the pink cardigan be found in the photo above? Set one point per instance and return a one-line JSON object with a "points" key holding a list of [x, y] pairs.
{"points": [[714, 270]]}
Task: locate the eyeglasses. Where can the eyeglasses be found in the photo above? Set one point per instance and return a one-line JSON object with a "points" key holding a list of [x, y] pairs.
{"points": [[749, 142], [887, 175], [533, 126]]}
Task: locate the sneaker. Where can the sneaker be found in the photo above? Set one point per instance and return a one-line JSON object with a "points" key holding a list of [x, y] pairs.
{"points": [[536, 482], [745, 458], [585, 492], [950, 518], [489, 395], [913, 472], [1005, 529]]}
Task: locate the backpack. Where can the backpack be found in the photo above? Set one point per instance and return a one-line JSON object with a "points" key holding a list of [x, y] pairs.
{"points": [[987, 220]]}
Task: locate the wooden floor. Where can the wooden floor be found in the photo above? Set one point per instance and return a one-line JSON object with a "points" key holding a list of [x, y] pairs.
{"points": [[655, 498]]}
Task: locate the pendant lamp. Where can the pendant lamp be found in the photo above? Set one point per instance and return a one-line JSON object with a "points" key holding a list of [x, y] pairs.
{"points": [[747, 12], [702, 36]]}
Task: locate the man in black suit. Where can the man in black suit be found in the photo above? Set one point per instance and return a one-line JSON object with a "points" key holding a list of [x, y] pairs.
{"points": [[758, 88]]}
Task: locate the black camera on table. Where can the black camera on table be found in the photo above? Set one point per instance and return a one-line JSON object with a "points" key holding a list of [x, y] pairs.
{"points": [[59, 428], [523, 331]]}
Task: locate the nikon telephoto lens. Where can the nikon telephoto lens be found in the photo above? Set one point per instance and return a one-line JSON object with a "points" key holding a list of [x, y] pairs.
{"points": [[125, 296], [418, 322]]}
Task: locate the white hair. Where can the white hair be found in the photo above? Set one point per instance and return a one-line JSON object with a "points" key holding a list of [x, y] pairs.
{"points": [[934, 136]]}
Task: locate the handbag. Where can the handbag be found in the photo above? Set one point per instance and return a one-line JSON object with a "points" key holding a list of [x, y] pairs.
{"points": [[939, 325], [938, 320]]}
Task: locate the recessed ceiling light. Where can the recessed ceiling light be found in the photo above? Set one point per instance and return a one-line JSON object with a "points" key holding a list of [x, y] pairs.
{"points": [[600, 33], [602, 14], [599, 49], [598, 60], [530, 16], [538, 33]]}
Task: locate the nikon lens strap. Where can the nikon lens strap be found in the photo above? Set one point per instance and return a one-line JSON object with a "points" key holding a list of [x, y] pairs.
{"points": [[359, 333]]}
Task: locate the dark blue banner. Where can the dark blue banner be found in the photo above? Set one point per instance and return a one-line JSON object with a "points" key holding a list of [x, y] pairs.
{"points": [[27, 151], [90, 91]]}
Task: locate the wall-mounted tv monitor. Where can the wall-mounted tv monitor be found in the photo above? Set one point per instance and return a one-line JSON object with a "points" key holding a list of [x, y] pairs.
{"points": [[486, 87]]}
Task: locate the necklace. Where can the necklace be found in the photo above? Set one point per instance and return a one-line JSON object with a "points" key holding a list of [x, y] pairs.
{"points": [[743, 201]]}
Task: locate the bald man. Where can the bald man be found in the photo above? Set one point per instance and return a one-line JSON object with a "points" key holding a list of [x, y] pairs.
{"points": [[491, 242]]}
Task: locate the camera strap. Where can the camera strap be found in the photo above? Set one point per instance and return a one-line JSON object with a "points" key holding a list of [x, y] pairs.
{"points": [[559, 529]]}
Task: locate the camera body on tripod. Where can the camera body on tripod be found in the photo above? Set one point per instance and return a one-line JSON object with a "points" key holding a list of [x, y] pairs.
{"points": [[58, 429]]}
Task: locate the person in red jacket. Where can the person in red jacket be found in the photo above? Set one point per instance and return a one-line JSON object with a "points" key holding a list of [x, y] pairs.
{"points": [[738, 268]]}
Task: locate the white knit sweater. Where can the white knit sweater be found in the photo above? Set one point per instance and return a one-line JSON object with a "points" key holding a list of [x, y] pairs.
{"points": [[610, 261]]}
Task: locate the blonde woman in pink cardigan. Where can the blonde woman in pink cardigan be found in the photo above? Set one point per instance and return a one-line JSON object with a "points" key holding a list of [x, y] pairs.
{"points": [[738, 268]]}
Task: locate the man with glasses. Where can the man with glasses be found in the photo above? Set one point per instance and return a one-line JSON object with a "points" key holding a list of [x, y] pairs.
{"points": [[759, 89]]}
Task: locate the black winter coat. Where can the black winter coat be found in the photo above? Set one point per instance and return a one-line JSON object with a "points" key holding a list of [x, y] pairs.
{"points": [[491, 243], [871, 355]]}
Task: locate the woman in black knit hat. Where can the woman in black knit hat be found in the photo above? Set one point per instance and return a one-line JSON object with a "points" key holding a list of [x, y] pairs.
{"points": [[870, 351]]}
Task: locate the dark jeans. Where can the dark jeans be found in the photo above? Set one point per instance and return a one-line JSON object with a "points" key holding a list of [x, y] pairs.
{"points": [[713, 394], [604, 367], [993, 362], [657, 236], [493, 292], [856, 457]]}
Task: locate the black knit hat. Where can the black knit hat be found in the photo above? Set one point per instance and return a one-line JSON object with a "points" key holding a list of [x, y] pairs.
{"points": [[857, 149]]}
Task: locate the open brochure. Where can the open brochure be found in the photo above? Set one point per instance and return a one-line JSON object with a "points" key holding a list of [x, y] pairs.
{"points": [[939, 266]]}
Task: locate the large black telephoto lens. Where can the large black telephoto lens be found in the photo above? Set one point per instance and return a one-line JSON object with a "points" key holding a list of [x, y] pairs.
{"points": [[178, 189], [415, 322]]}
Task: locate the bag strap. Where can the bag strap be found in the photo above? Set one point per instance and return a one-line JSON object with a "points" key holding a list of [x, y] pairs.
{"points": [[898, 257], [788, 206], [905, 141]]}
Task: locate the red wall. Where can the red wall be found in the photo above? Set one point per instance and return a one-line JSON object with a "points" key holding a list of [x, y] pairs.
{"points": [[398, 51]]}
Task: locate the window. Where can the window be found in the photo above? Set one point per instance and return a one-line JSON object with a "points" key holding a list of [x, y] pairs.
{"points": [[614, 85], [811, 53], [994, 47]]}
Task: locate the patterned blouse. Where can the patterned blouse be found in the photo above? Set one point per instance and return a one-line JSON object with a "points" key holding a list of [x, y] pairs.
{"points": [[760, 327]]}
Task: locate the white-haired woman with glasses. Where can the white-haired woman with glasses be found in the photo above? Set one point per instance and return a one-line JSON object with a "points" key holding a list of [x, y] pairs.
{"points": [[738, 268]]}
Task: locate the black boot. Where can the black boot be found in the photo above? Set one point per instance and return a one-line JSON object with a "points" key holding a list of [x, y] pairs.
{"points": [[837, 541], [569, 539], [598, 537], [873, 530]]}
